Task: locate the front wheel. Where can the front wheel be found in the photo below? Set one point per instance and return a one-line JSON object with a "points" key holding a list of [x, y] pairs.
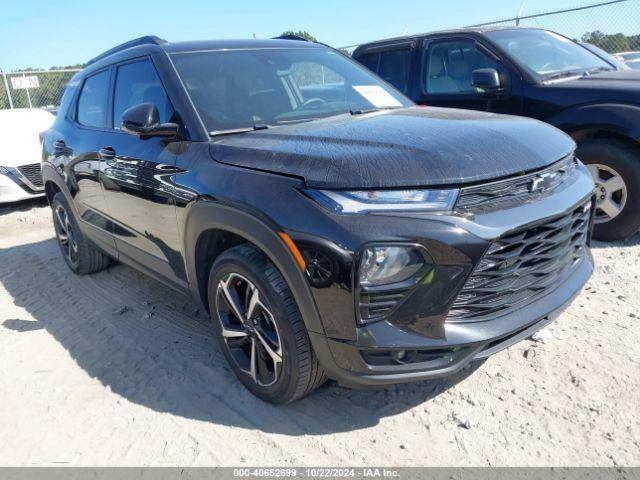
{"points": [[615, 168], [260, 329]]}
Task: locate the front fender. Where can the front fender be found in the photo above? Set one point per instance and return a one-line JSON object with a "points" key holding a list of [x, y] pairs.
{"points": [[620, 119], [206, 215]]}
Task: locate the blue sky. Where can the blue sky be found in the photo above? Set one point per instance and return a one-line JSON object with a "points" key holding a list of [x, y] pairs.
{"points": [[37, 33]]}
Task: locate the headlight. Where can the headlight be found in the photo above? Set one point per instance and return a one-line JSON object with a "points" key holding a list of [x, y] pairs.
{"points": [[362, 201], [383, 265], [4, 171]]}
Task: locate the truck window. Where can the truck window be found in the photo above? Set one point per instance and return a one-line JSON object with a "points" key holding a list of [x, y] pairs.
{"points": [[370, 60], [394, 67], [449, 66]]}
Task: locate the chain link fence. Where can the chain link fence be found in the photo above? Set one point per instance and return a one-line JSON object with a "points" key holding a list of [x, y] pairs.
{"points": [[34, 89], [613, 26]]}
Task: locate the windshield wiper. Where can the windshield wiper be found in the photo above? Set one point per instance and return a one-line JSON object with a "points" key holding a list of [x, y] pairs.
{"points": [[599, 69], [231, 131], [362, 111], [568, 73]]}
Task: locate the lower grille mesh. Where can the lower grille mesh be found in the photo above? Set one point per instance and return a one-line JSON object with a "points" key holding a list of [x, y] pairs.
{"points": [[377, 305], [521, 266], [32, 173]]}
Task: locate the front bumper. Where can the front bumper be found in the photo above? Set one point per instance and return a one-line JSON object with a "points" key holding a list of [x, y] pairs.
{"points": [[14, 188], [440, 347], [460, 345]]}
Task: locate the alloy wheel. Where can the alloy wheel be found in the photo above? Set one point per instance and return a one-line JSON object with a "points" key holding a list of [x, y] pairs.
{"points": [[66, 235], [249, 329], [611, 192]]}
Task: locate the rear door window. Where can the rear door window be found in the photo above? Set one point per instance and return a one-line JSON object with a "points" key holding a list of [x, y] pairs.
{"points": [[137, 83], [370, 60], [394, 67], [92, 104]]}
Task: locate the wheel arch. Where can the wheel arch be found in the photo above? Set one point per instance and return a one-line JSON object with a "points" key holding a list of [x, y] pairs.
{"points": [[211, 228], [50, 189], [54, 183], [585, 122]]}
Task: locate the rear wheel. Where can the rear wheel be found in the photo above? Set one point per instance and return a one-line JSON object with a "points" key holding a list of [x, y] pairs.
{"points": [[79, 253], [615, 168], [260, 329]]}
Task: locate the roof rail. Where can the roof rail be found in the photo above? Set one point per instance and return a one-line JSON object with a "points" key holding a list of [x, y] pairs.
{"points": [[291, 37], [146, 40], [302, 39]]}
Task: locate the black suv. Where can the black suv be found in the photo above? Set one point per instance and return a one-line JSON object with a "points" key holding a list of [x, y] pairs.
{"points": [[331, 227], [538, 74]]}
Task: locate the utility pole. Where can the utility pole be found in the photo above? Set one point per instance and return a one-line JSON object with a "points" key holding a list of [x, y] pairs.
{"points": [[519, 14], [6, 86], [27, 90]]}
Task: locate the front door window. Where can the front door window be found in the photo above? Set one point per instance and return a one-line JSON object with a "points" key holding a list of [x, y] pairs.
{"points": [[450, 64]]}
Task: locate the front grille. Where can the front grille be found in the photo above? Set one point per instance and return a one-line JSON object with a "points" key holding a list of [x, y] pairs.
{"points": [[521, 266], [33, 173], [375, 306], [495, 195]]}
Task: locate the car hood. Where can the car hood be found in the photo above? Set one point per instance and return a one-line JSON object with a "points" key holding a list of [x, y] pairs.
{"points": [[398, 148], [19, 129], [623, 85]]}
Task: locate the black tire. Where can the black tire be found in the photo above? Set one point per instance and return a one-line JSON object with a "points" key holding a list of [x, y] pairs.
{"points": [[299, 371], [85, 258], [624, 158]]}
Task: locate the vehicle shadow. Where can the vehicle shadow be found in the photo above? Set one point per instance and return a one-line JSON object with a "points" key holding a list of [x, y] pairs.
{"points": [[22, 206], [629, 242], [154, 347]]}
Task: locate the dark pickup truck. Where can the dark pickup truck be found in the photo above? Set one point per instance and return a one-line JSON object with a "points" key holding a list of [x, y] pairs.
{"points": [[539, 74]]}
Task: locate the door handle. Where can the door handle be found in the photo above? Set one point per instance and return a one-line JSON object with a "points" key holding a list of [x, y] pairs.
{"points": [[107, 153], [59, 145]]}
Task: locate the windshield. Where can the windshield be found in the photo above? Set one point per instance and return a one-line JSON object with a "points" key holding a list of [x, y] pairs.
{"points": [[607, 57], [261, 88], [546, 53], [630, 55]]}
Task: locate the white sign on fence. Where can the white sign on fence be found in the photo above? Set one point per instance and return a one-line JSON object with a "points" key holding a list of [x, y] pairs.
{"points": [[24, 82]]}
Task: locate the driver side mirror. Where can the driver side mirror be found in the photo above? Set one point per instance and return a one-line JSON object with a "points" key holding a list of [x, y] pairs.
{"points": [[143, 120], [486, 79]]}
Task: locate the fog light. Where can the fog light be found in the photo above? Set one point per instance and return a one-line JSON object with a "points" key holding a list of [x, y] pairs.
{"points": [[404, 357], [384, 265], [399, 356]]}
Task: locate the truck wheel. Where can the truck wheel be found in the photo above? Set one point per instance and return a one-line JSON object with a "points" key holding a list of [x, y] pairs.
{"points": [[79, 253], [615, 167], [260, 328]]}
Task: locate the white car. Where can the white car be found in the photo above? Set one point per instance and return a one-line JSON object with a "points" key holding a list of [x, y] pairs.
{"points": [[627, 56], [634, 64], [20, 175]]}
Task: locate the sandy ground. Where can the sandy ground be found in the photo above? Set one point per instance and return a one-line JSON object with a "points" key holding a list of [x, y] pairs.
{"points": [[116, 369]]}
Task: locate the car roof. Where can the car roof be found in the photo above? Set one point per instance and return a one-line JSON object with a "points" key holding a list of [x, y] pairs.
{"points": [[457, 31], [241, 44], [150, 43]]}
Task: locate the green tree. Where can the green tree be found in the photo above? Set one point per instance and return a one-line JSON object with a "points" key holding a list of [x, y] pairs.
{"points": [[617, 42], [307, 36], [300, 33]]}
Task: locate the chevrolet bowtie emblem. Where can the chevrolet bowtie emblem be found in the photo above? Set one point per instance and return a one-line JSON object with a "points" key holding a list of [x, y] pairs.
{"points": [[543, 182]]}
